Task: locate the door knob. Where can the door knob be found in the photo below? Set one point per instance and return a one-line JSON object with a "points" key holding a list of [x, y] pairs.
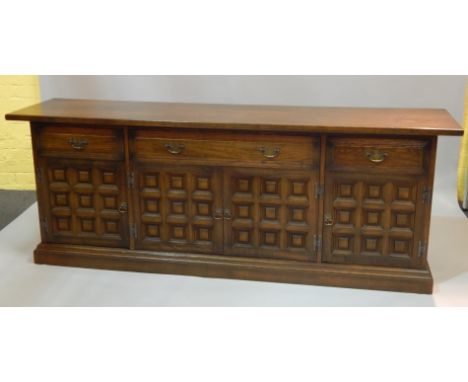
{"points": [[227, 214], [123, 208], [218, 215], [328, 220]]}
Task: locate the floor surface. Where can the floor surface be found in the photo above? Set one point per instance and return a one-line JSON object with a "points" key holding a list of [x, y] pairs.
{"points": [[23, 283]]}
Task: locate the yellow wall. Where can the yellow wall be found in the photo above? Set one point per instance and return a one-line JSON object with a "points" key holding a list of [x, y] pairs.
{"points": [[16, 163]]}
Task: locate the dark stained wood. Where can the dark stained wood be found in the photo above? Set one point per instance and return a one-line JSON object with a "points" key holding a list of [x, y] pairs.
{"points": [[235, 191], [244, 117]]}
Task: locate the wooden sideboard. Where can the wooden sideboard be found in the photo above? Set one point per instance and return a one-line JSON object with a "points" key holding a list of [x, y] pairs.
{"points": [[328, 196]]}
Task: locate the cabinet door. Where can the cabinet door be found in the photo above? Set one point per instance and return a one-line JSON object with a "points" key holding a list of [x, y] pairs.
{"points": [[270, 213], [85, 202], [374, 220], [178, 208]]}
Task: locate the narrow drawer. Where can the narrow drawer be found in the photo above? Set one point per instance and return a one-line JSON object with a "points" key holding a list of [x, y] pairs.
{"points": [[378, 154], [237, 149], [80, 142]]}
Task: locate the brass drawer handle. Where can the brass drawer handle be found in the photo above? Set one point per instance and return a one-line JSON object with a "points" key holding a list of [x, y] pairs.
{"points": [[123, 208], [227, 214], [328, 220], [78, 143], [270, 152], [376, 156], [218, 215], [174, 148]]}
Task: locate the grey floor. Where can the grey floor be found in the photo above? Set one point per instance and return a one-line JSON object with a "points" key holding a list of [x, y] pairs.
{"points": [[13, 203]]}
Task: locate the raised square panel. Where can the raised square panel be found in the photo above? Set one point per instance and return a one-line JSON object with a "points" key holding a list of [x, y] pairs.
{"points": [[403, 193], [244, 185], [110, 202], [61, 199], [152, 230], [402, 220], [151, 180], [343, 242], [108, 177], [243, 211], [400, 246], [202, 233], [63, 224], [87, 225], [371, 245], [343, 216], [270, 213], [299, 187], [270, 186], [85, 201], [178, 207], [242, 236], [178, 232], [203, 183], [298, 214], [345, 190], [374, 192], [58, 175], [203, 209], [296, 240], [373, 218], [84, 176], [152, 205], [270, 238], [111, 226], [177, 181]]}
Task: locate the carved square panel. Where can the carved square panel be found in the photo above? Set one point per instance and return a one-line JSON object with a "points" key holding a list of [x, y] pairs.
{"points": [[151, 180], [344, 216], [403, 220], [108, 177], [178, 207], [298, 214], [203, 209], [270, 212], [63, 223], [110, 202], [296, 239], [243, 211], [299, 187], [152, 205], [203, 183], [178, 232], [270, 238], [202, 233], [270, 186], [152, 230], [177, 182], [401, 246], [59, 175], [371, 245], [345, 190], [244, 184], [111, 226], [61, 199], [373, 218], [243, 236], [87, 225], [84, 176], [85, 201], [374, 192], [403, 193]]}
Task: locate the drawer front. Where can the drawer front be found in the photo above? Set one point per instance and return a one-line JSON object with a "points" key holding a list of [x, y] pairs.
{"points": [[80, 142], [227, 149], [378, 154]]}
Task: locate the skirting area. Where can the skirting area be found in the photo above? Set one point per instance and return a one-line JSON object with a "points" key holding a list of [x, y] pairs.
{"points": [[23, 283]]}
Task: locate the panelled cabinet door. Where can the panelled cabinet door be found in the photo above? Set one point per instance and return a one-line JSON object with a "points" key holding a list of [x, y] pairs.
{"points": [[374, 220], [178, 208], [86, 202], [270, 213]]}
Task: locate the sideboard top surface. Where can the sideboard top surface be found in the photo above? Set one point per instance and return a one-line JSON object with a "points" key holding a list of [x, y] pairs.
{"points": [[243, 117]]}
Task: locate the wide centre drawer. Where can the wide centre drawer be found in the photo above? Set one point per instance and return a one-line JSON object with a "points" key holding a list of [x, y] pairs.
{"points": [[397, 155], [219, 148], [80, 142]]}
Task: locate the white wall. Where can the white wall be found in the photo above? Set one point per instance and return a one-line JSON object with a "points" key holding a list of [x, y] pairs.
{"points": [[446, 92]]}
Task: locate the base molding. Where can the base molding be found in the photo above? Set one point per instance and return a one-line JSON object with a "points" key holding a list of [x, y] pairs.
{"points": [[349, 276]]}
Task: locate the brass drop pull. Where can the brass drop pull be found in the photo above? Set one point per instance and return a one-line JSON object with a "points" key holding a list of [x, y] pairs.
{"points": [[78, 143], [375, 155], [174, 148], [227, 214], [218, 215], [270, 152], [328, 220], [123, 208]]}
